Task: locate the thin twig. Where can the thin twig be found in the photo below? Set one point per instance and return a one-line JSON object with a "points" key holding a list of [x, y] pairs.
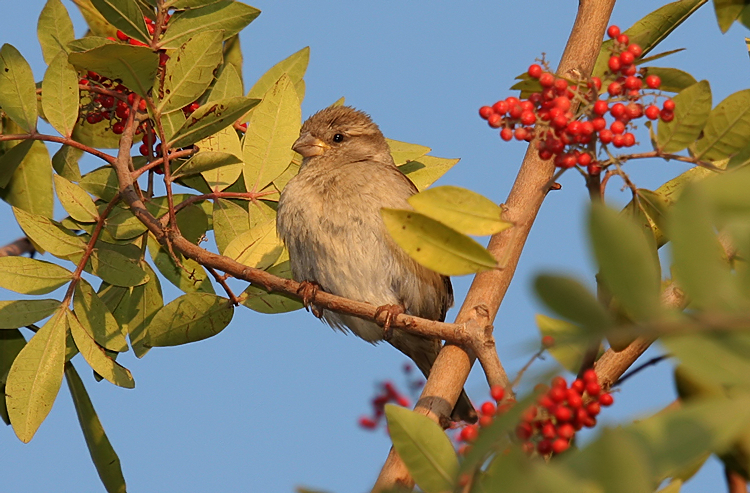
{"points": [[60, 140]]}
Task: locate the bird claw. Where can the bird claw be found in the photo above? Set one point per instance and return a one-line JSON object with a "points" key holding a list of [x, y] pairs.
{"points": [[308, 290], [391, 312]]}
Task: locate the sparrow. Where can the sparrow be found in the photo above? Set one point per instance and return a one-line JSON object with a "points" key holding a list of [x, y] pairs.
{"points": [[329, 220]]}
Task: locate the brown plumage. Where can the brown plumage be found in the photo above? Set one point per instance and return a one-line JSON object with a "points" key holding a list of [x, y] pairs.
{"points": [[329, 219]]}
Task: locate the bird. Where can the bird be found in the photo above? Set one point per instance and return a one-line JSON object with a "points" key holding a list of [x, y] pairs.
{"points": [[328, 218]]}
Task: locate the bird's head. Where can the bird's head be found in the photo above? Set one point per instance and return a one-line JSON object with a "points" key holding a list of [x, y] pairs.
{"points": [[341, 135]]}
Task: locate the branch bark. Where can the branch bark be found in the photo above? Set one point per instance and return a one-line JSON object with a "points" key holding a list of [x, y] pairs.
{"points": [[452, 366]]}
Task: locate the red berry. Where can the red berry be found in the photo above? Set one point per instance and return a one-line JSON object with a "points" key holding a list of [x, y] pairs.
{"points": [[606, 136], [601, 107], [545, 154], [93, 118], [613, 31], [629, 139], [122, 36], [544, 447], [633, 82], [560, 382], [528, 118], [544, 400], [512, 101], [118, 128], [535, 71], [485, 421], [521, 134], [668, 105], [597, 82], [593, 408], [506, 134], [485, 112], [584, 159], [469, 433], [634, 110], [122, 112], [557, 394], [547, 79], [614, 64], [623, 39], [561, 85], [548, 341], [589, 422], [635, 49], [501, 107], [614, 89], [587, 128], [243, 127], [530, 414], [618, 109], [566, 430], [497, 392], [574, 127], [488, 409], [515, 111], [628, 70], [617, 127], [107, 101], [495, 120], [157, 151], [590, 376], [142, 105], [562, 103], [135, 42], [93, 76], [606, 400], [653, 81], [560, 445], [652, 112], [574, 399], [618, 140], [144, 149], [151, 28], [559, 122], [563, 414], [593, 388], [666, 115], [131, 98], [549, 431], [524, 431], [626, 58], [163, 57]]}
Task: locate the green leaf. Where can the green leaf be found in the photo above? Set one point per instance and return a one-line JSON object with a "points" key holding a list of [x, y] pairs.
{"points": [[136, 66], [65, 163], [192, 222], [11, 343], [227, 85], [75, 200], [30, 276], [30, 187], [123, 225], [96, 22], [49, 235], [115, 268], [233, 57], [97, 358], [125, 15], [435, 245], [98, 135], [209, 119], [717, 359], [190, 70], [88, 43], [17, 88], [225, 141], [102, 182], [190, 4], [20, 313], [228, 15], [570, 299], [692, 108], [294, 66], [35, 377], [403, 152], [261, 301], [11, 160], [230, 221], [424, 447], [697, 255], [105, 459], [96, 318], [727, 11], [628, 263], [191, 317], [145, 301], [727, 129], [273, 127], [189, 277], [566, 351], [672, 79], [426, 170], [258, 247], [206, 161], [54, 30], [651, 29], [463, 210], [60, 95]]}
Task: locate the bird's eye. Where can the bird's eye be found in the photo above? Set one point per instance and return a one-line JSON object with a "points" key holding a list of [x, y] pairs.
{"points": [[338, 137]]}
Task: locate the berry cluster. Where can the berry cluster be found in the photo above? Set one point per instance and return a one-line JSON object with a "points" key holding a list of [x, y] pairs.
{"points": [[568, 117], [389, 393], [110, 101], [550, 425], [150, 25]]}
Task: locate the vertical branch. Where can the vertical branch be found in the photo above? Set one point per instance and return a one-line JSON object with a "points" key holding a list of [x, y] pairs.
{"points": [[488, 289]]}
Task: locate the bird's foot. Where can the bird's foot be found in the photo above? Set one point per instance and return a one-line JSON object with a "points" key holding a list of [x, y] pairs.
{"points": [[391, 312], [307, 291]]}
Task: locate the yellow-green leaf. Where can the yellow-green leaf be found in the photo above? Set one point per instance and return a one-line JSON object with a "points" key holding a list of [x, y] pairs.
{"points": [[463, 210], [427, 170], [226, 15], [403, 152], [272, 129], [96, 318], [230, 221], [12, 159], [727, 129], [261, 301], [35, 377], [20, 313], [145, 301], [49, 235], [54, 30], [17, 88], [435, 245], [209, 119], [224, 141], [258, 247], [115, 268], [60, 95], [191, 317], [75, 200], [692, 107], [96, 357], [207, 161], [136, 66], [30, 187], [294, 66], [30, 276]]}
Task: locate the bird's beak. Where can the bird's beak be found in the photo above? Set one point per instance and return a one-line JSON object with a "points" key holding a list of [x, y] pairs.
{"points": [[309, 146]]}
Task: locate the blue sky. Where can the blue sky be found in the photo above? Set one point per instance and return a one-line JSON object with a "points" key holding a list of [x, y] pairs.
{"points": [[273, 401]]}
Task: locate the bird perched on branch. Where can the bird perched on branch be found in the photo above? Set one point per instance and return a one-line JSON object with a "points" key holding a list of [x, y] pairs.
{"points": [[329, 219]]}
